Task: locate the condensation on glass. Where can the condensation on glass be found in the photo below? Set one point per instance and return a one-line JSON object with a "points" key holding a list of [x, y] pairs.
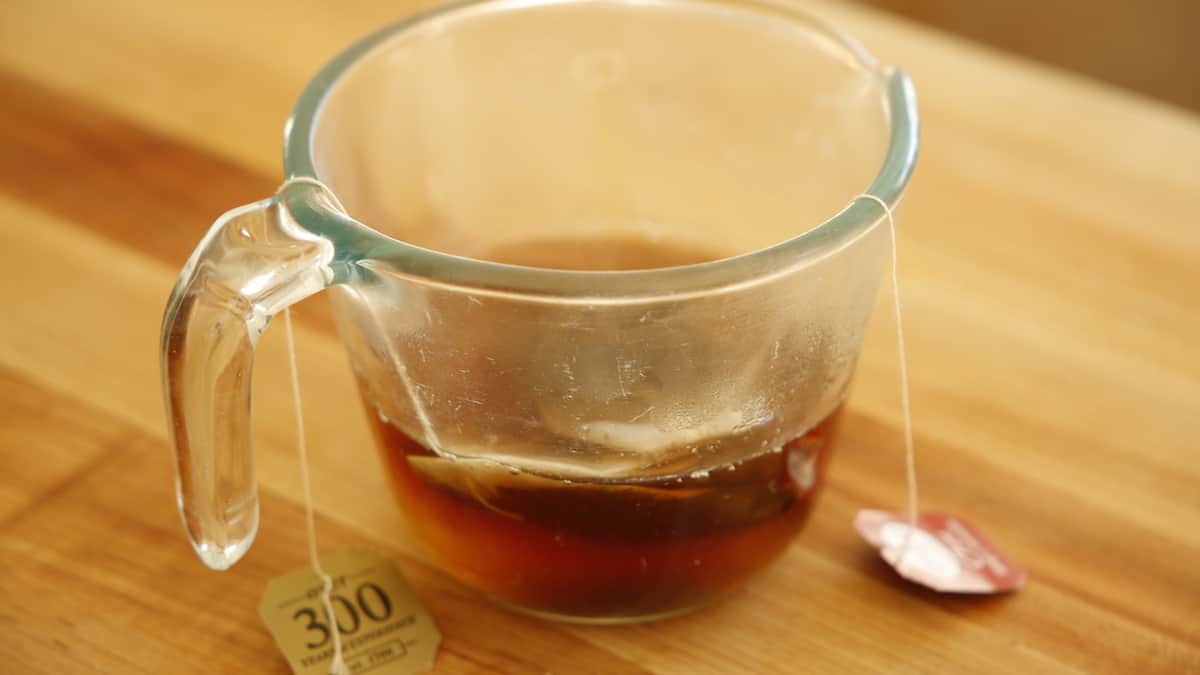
{"points": [[429, 155]]}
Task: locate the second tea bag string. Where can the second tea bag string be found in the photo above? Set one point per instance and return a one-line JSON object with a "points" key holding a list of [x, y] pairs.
{"points": [[910, 460], [338, 664]]}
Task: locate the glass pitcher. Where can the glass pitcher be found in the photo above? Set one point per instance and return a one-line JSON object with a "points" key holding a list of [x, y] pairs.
{"points": [[602, 273]]}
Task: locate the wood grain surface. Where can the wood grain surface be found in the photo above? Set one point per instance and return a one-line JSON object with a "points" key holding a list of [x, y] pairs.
{"points": [[1147, 47], [1050, 261]]}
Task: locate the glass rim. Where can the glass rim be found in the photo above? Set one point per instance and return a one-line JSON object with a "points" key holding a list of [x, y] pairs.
{"points": [[405, 259]]}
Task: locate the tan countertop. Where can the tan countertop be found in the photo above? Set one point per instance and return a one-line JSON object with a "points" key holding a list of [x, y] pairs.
{"points": [[1050, 258]]}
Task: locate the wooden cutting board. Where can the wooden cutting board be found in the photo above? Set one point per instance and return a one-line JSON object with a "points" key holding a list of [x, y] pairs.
{"points": [[1050, 258]]}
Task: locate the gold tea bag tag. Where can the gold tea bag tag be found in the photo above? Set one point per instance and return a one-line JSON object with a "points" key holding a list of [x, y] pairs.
{"points": [[384, 628]]}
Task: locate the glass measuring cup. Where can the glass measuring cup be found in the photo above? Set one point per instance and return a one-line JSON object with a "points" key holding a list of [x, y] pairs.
{"points": [[601, 275]]}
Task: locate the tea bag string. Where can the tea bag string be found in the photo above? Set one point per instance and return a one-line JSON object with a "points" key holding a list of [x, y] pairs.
{"points": [[431, 437], [338, 665], [910, 462]]}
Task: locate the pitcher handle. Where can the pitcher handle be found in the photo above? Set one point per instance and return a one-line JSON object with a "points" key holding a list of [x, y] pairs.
{"points": [[254, 262]]}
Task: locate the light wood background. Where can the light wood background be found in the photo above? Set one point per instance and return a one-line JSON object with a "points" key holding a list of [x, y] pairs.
{"points": [[1149, 47], [1050, 255]]}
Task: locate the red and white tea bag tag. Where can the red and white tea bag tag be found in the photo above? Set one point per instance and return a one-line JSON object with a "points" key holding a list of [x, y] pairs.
{"points": [[945, 553], [938, 550]]}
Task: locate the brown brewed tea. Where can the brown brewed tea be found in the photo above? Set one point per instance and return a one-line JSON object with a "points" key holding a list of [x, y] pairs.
{"points": [[605, 549], [652, 543], [599, 253]]}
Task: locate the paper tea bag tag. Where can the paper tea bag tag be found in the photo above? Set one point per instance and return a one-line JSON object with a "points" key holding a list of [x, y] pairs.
{"points": [[945, 553], [383, 626]]}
